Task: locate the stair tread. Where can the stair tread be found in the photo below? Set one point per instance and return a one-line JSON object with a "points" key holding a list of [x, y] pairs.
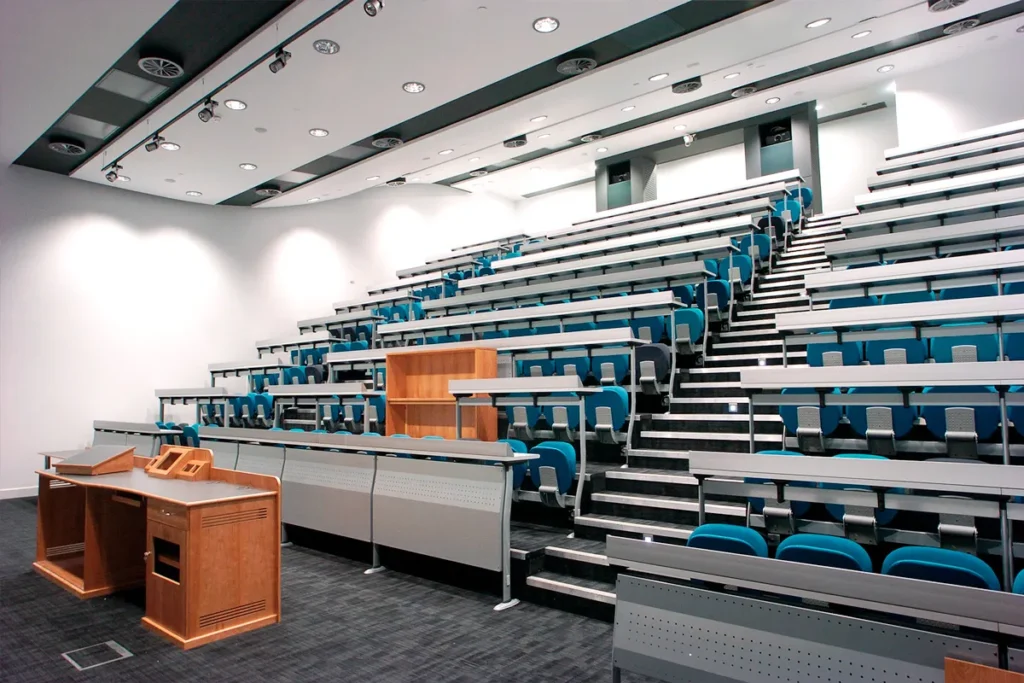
{"points": [[755, 356], [710, 436], [658, 453], [667, 502], [639, 526], [653, 475], [599, 591], [717, 417]]}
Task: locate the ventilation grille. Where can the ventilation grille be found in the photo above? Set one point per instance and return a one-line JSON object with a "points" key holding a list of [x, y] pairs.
{"points": [[161, 67], [478, 173], [961, 26], [269, 191], [943, 5], [68, 147], [591, 137], [518, 141], [744, 91], [574, 66], [235, 517], [245, 610], [387, 141], [687, 86], [69, 549]]}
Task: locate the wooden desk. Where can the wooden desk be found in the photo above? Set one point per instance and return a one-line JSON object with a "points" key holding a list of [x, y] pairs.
{"points": [[958, 671], [207, 552]]}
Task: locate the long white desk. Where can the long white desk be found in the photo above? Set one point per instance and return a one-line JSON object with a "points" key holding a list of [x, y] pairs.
{"points": [[404, 296], [1012, 176], [447, 264], [927, 275], [338, 321], [913, 375], [992, 233], [948, 169], [302, 341], [969, 137], [424, 280]]}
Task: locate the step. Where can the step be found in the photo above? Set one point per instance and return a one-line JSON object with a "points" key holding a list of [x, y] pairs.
{"points": [[668, 503], [806, 248], [803, 267], [654, 454], [588, 589], [574, 555], [752, 336], [712, 436], [767, 355], [772, 343], [652, 476], [795, 296], [774, 276], [778, 286], [788, 260], [632, 526], [738, 400], [696, 386], [747, 311], [717, 417], [747, 325]]}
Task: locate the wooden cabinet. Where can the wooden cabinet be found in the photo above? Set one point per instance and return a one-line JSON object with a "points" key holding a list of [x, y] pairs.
{"points": [[166, 569]]}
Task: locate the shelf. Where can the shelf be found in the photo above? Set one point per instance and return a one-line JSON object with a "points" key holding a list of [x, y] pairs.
{"points": [[420, 401]]}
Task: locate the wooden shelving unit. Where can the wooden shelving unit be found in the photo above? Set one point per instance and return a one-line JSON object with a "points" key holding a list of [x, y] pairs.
{"points": [[418, 402]]}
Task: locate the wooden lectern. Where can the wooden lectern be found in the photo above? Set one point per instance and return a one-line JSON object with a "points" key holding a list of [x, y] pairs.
{"points": [[205, 542]]}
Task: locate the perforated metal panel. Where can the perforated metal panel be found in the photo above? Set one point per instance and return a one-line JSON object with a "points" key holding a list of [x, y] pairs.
{"points": [[680, 633], [225, 454], [109, 438], [260, 459], [144, 444], [443, 509], [328, 492]]}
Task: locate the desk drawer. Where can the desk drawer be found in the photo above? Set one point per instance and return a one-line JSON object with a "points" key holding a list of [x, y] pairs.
{"points": [[168, 513]]}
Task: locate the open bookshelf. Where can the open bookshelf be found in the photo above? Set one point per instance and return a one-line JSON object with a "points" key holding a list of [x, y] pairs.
{"points": [[418, 402]]}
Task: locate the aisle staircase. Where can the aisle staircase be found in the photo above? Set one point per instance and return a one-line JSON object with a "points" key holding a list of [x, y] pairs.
{"points": [[655, 497]]}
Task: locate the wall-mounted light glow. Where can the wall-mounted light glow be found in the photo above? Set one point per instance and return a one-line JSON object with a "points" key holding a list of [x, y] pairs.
{"points": [[236, 105], [862, 34], [818, 23], [658, 77], [885, 68]]}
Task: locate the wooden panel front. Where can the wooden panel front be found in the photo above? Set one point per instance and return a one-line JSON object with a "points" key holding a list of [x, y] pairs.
{"points": [[168, 513], [167, 594], [60, 530], [115, 538], [959, 671]]}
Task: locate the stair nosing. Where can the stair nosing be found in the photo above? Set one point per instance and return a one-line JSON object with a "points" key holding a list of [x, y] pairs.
{"points": [[711, 436], [576, 555], [654, 529], [571, 589], [666, 503]]}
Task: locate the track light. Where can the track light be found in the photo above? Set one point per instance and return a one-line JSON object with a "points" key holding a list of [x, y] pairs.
{"points": [[373, 7], [280, 60], [114, 173], [154, 144], [206, 114], [688, 139]]}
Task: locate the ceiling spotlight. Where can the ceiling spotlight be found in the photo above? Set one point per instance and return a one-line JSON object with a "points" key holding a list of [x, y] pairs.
{"points": [[373, 177], [658, 77], [602, 150], [247, 167], [943, 5], [319, 132], [280, 60], [413, 87], [123, 179], [681, 126], [773, 100], [538, 119], [862, 34], [193, 193], [206, 113], [474, 160], [154, 144], [629, 108], [312, 199], [817, 23], [445, 152], [326, 47], [373, 7], [886, 68], [236, 105], [545, 25], [170, 146], [112, 174], [734, 74], [688, 139], [544, 136]]}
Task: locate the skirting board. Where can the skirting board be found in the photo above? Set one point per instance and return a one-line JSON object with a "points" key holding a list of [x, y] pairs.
{"points": [[20, 492]]}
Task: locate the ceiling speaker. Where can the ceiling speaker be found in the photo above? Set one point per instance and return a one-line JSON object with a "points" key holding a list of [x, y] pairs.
{"points": [[683, 87], [517, 141], [943, 5], [961, 26], [386, 141]]}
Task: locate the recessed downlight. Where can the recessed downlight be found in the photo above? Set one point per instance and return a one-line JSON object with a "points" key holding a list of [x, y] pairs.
{"points": [[319, 132], [545, 25], [413, 87], [681, 126], [602, 150], [1020, 29], [237, 105], [193, 193], [885, 68], [247, 167], [373, 177], [445, 152], [312, 199], [170, 146], [629, 108], [326, 47], [862, 34], [535, 169], [474, 160], [734, 74], [538, 119], [773, 100], [658, 77], [818, 23], [544, 136]]}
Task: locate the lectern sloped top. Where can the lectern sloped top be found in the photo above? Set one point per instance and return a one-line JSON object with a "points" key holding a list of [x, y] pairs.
{"points": [[99, 460]]}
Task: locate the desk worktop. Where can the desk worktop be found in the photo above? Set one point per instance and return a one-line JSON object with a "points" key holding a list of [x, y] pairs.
{"points": [[176, 491]]}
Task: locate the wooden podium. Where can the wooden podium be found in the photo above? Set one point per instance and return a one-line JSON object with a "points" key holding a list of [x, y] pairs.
{"points": [[207, 551]]}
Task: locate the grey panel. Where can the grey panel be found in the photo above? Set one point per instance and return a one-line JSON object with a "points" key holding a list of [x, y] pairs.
{"points": [[109, 438], [179, 490], [225, 453], [442, 509], [144, 444], [706, 633], [1015, 658], [328, 492], [260, 459]]}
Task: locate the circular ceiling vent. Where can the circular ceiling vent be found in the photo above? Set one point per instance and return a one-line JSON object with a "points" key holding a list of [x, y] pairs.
{"points": [[387, 141], [591, 137], [268, 191], [479, 172], [744, 91], [685, 87], [943, 5], [574, 66], [513, 143], [67, 146], [961, 26], [161, 67], [395, 182]]}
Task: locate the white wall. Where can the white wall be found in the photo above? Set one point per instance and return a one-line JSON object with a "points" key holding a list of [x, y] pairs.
{"points": [[556, 210], [974, 91], [701, 173], [849, 150], [107, 295]]}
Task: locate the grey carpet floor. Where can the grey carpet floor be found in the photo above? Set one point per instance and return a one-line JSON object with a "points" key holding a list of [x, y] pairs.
{"points": [[337, 625]]}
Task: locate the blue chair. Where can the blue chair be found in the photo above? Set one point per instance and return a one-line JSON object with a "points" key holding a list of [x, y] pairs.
{"points": [[650, 329], [986, 418], [607, 412], [263, 409], [942, 565], [1016, 413], [555, 468], [898, 420], [542, 367], [495, 334], [895, 351], [838, 511], [773, 225], [519, 469], [802, 194], [684, 293], [378, 411], [295, 375], [822, 354], [719, 296], [522, 420], [792, 206], [1018, 583], [521, 332], [359, 345], [689, 324], [810, 424], [564, 418], [728, 538], [971, 292], [981, 348], [742, 266], [907, 298], [826, 551], [610, 369], [799, 507], [578, 365], [757, 246], [189, 435]]}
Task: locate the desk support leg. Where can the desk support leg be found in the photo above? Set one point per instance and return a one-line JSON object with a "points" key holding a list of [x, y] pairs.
{"points": [[375, 566], [506, 571], [583, 460], [1006, 541], [1005, 429], [785, 359], [458, 420], [700, 501], [632, 406], [750, 421]]}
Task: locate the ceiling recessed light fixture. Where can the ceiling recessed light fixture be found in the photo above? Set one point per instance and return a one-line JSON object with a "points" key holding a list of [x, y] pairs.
{"points": [[658, 77], [819, 107], [413, 87], [1020, 29], [538, 119], [445, 152], [474, 160], [170, 146], [681, 126], [319, 132], [237, 105], [373, 177], [818, 23], [544, 136], [734, 74], [885, 68], [535, 169], [260, 129], [773, 100], [602, 150], [194, 193], [312, 199], [247, 167], [862, 34], [545, 25], [326, 47], [629, 108]]}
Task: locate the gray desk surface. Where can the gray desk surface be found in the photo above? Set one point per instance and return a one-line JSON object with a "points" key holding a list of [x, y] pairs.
{"points": [[94, 455], [172, 490]]}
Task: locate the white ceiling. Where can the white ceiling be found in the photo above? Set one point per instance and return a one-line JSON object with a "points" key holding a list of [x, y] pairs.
{"points": [[29, 32], [453, 46]]}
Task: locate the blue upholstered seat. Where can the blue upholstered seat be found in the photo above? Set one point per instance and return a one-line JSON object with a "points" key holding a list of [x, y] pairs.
{"points": [[559, 455], [850, 352], [689, 324], [902, 417], [830, 415], [617, 363], [1018, 583], [760, 240], [615, 399], [536, 367], [940, 564], [794, 207], [803, 194], [684, 293], [580, 365], [518, 470], [572, 410], [986, 418], [720, 288], [533, 413], [799, 507], [826, 551], [971, 292], [728, 538], [986, 346], [650, 329], [892, 351], [838, 511], [1016, 413], [740, 262]]}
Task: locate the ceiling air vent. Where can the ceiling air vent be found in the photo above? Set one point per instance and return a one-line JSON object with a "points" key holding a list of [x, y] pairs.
{"points": [[517, 141], [744, 91], [689, 86], [479, 172], [943, 5], [387, 141], [161, 67], [591, 137], [576, 65], [67, 146], [961, 26], [268, 191], [395, 182]]}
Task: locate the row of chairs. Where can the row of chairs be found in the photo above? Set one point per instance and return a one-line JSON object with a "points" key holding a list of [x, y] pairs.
{"points": [[606, 413]]}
